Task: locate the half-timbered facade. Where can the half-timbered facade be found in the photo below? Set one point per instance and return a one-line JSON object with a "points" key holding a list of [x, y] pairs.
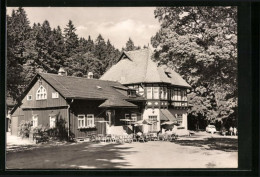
{"points": [[165, 90]]}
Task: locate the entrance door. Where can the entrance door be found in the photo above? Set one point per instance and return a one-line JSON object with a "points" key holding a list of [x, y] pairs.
{"points": [[14, 126]]}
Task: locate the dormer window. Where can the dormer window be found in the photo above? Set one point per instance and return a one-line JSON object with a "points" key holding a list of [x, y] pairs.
{"points": [[41, 93], [168, 74]]}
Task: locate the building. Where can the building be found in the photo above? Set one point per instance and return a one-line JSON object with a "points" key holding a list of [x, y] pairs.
{"points": [[165, 90], [86, 105]]}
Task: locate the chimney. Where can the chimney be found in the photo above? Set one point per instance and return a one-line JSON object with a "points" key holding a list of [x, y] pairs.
{"points": [[62, 72], [90, 75]]}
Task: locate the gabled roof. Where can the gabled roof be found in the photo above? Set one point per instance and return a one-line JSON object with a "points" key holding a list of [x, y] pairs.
{"points": [[140, 68], [83, 88], [71, 87]]}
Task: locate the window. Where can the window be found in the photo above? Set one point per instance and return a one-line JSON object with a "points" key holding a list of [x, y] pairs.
{"points": [[131, 93], [41, 93], [162, 92], [165, 92], [179, 95], [175, 94], [55, 95], [134, 117], [172, 94], [81, 121], [52, 121], [141, 91], [90, 120], [149, 93], [127, 116], [184, 95], [35, 120], [179, 118], [156, 92], [153, 120], [29, 97]]}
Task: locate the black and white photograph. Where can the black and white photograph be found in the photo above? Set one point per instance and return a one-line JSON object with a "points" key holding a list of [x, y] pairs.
{"points": [[122, 87]]}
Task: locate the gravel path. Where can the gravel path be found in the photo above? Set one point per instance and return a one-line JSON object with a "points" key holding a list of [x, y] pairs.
{"points": [[192, 152]]}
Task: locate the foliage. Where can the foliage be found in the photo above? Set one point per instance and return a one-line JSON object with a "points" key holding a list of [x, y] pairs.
{"points": [[42, 132], [200, 43], [130, 45], [24, 129], [42, 49], [18, 32], [60, 131]]}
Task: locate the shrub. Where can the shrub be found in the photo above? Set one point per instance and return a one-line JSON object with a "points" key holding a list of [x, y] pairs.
{"points": [[24, 129], [42, 131]]}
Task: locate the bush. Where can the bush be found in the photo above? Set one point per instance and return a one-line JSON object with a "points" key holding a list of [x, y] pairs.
{"points": [[60, 131], [42, 131], [24, 129]]}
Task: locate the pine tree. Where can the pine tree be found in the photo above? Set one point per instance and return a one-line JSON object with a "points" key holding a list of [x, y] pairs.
{"points": [[100, 51], [58, 47], [130, 45], [71, 39], [18, 33], [90, 45]]}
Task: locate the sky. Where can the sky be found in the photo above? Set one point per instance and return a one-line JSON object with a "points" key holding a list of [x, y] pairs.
{"points": [[114, 23]]}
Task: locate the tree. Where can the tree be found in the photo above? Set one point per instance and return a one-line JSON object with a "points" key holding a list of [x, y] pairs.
{"points": [[58, 47], [100, 53], [71, 39], [18, 33], [112, 54], [90, 45], [201, 44], [43, 49], [130, 45]]}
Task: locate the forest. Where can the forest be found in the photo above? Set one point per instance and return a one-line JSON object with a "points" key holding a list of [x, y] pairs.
{"points": [[200, 43]]}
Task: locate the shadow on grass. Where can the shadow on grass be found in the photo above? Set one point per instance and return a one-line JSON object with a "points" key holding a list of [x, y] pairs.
{"points": [[78, 156], [223, 144]]}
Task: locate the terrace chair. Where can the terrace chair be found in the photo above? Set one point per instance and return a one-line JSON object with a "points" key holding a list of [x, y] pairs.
{"points": [[128, 138], [153, 137], [93, 137], [113, 138], [99, 138], [141, 138], [160, 136], [134, 138], [146, 137], [108, 138]]}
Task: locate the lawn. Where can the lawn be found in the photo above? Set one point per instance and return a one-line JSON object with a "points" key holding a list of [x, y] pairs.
{"points": [[213, 152]]}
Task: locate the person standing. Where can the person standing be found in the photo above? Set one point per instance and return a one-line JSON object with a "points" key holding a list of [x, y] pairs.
{"points": [[231, 130], [235, 131]]}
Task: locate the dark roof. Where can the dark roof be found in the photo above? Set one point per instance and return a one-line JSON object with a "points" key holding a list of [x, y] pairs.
{"points": [[138, 67], [167, 115], [117, 103], [83, 88]]}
